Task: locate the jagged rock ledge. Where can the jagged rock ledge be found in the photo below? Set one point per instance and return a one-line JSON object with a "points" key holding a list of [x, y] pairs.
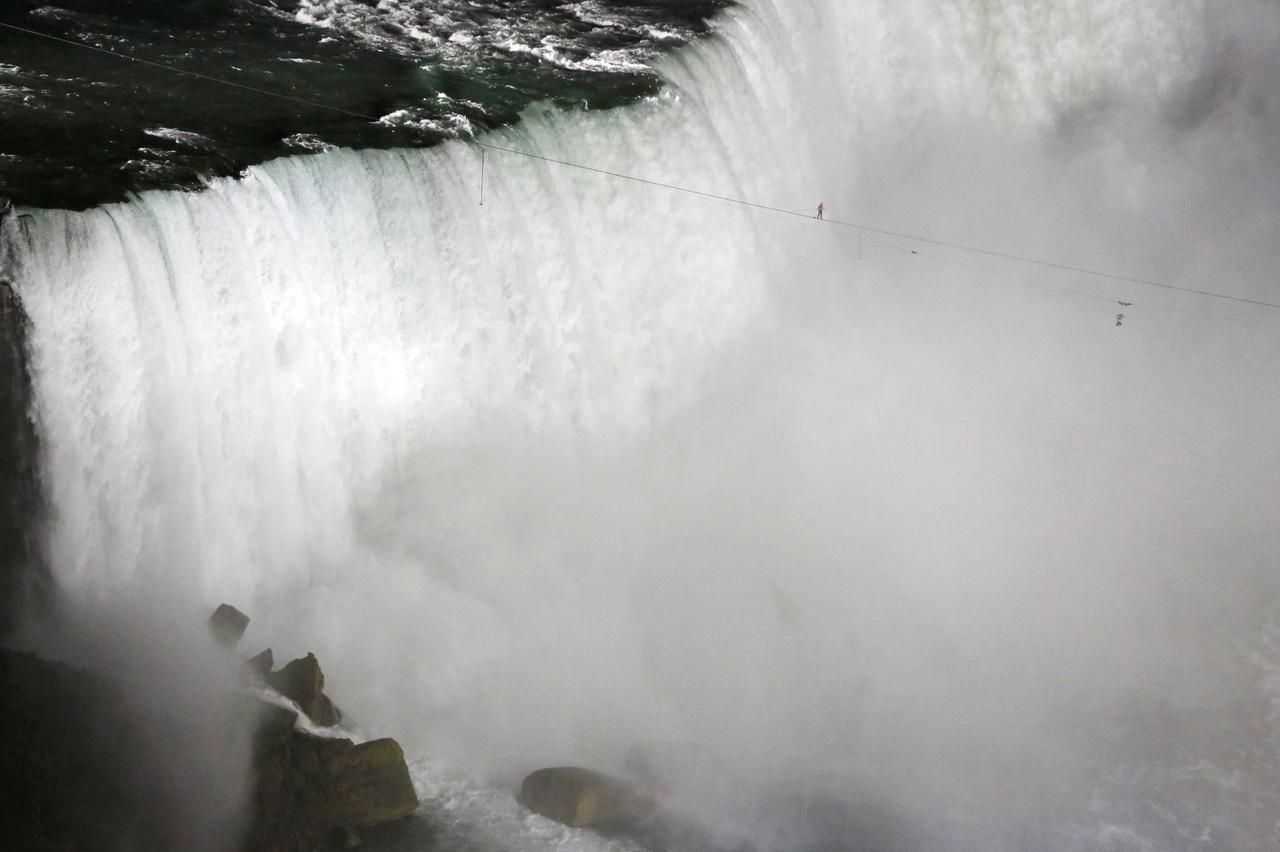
{"points": [[309, 790]]}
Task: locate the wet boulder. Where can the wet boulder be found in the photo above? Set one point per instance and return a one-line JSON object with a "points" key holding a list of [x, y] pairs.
{"points": [[582, 797], [227, 624], [309, 789], [368, 784], [261, 664], [302, 682]]}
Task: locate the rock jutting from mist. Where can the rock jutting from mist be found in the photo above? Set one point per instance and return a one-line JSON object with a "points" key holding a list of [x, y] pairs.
{"points": [[302, 682], [79, 763], [227, 624], [307, 788], [582, 797]]}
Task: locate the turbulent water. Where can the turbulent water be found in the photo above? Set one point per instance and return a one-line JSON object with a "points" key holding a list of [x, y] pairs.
{"points": [[79, 126], [874, 540]]}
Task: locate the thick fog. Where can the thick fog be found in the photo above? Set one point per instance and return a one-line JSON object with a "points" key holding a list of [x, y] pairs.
{"points": [[165, 723], [793, 506]]}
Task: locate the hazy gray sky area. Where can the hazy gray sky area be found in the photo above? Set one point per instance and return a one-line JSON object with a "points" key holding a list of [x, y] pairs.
{"points": [[855, 535]]}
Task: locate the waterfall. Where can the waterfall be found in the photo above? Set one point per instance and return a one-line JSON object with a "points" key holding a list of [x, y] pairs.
{"points": [[599, 462]]}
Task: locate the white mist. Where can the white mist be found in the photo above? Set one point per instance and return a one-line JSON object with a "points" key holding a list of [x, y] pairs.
{"points": [[599, 463]]}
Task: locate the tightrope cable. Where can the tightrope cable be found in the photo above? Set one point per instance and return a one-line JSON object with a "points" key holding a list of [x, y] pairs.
{"points": [[862, 228]]}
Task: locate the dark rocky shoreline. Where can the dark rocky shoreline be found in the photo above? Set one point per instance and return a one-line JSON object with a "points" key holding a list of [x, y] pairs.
{"points": [[76, 769]]}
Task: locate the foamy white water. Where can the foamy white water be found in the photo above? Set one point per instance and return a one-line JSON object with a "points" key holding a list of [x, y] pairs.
{"points": [[902, 526]]}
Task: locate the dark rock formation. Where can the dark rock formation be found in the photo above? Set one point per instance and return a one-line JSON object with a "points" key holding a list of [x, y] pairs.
{"points": [[302, 682], [262, 664], [312, 789], [582, 797], [227, 624], [368, 783], [67, 763], [81, 769], [24, 581]]}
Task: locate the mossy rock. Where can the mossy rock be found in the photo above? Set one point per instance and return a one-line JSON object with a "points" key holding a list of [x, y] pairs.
{"points": [[582, 797], [308, 786], [369, 783]]}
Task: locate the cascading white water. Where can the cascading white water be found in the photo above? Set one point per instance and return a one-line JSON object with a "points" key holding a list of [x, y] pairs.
{"points": [[599, 463]]}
